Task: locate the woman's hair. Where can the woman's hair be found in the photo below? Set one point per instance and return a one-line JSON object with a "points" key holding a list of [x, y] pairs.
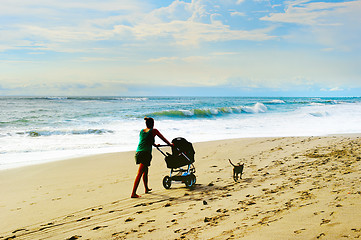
{"points": [[149, 122]]}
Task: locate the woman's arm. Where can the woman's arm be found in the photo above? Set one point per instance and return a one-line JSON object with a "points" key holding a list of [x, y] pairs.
{"points": [[157, 133]]}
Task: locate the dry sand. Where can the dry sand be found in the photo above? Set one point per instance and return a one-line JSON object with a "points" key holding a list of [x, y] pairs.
{"points": [[292, 188]]}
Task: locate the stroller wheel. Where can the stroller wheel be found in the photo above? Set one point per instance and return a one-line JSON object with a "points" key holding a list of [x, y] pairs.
{"points": [[193, 178], [167, 182], [190, 180]]}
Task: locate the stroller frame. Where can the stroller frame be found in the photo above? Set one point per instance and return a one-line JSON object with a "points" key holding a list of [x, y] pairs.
{"points": [[178, 173]]}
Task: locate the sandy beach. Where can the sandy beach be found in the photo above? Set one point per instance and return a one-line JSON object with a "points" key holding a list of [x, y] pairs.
{"points": [[292, 188]]}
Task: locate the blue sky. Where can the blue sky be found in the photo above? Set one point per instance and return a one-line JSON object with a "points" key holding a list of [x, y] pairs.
{"points": [[221, 48]]}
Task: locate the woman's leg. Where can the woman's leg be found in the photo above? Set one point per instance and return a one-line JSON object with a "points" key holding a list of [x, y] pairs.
{"points": [[145, 180], [137, 180]]}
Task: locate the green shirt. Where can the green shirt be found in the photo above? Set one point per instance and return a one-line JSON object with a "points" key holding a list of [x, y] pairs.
{"points": [[146, 141]]}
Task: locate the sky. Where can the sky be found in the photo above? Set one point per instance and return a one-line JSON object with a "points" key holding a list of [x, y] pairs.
{"points": [[180, 48]]}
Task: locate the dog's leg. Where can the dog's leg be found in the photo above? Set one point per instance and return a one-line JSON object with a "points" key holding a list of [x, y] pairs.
{"points": [[235, 177]]}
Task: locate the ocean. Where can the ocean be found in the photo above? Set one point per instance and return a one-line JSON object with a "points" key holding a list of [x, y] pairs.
{"points": [[41, 129]]}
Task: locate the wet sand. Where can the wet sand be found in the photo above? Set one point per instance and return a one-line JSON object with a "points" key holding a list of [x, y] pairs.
{"points": [[291, 188]]}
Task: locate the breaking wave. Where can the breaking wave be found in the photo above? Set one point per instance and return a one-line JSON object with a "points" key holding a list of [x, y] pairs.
{"points": [[210, 112], [276, 101], [38, 133]]}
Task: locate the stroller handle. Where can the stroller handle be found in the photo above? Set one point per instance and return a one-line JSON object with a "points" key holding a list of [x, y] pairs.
{"points": [[166, 145], [158, 148], [182, 153]]}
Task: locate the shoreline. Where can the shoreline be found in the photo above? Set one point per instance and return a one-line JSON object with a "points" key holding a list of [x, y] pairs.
{"points": [[297, 187], [103, 152]]}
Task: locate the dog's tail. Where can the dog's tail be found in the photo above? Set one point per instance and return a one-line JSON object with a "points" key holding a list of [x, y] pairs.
{"points": [[231, 162]]}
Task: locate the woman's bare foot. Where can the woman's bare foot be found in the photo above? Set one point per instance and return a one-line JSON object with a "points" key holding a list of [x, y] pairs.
{"points": [[148, 190], [135, 196]]}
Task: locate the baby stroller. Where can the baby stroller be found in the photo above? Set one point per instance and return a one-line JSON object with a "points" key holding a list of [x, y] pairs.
{"points": [[182, 156]]}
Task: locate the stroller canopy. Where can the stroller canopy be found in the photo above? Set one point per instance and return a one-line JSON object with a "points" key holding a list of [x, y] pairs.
{"points": [[182, 145], [182, 153]]}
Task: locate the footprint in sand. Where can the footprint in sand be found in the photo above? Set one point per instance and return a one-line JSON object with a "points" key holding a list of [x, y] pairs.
{"points": [[95, 209], [82, 219], [299, 231], [321, 234], [129, 219], [48, 224], [74, 237], [99, 227], [325, 221], [19, 230]]}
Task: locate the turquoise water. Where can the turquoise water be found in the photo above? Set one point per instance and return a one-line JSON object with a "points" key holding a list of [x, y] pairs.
{"points": [[39, 129]]}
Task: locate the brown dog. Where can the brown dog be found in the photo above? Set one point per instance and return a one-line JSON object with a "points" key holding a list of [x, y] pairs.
{"points": [[237, 170]]}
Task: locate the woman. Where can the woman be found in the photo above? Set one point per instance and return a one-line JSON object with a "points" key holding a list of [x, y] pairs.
{"points": [[143, 155]]}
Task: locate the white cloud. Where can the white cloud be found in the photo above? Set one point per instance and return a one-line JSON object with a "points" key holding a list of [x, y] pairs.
{"points": [[29, 7], [100, 59], [216, 18], [224, 53], [59, 25], [336, 89], [235, 13], [177, 10], [336, 25], [69, 26], [163, 59], [195, 59], [302, 12], [193, 33], [189, 59], [62, 34], [190, 24]]}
